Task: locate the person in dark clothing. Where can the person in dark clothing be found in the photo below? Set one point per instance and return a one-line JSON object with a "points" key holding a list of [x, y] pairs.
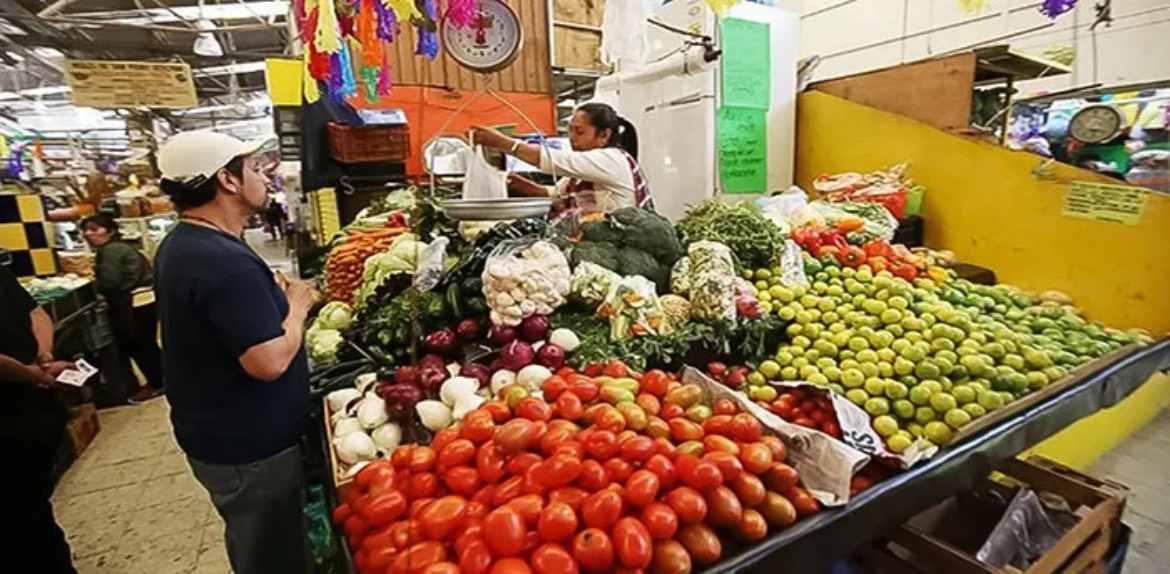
{"points": [[237, 373], [120, 270], [32, 427], [274, 219]]}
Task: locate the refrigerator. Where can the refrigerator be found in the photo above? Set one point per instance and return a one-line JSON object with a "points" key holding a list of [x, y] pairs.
{"points": [[677, 116]]}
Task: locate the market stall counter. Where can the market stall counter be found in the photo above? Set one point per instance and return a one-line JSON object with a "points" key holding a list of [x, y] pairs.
{"points": [[812, 544]]}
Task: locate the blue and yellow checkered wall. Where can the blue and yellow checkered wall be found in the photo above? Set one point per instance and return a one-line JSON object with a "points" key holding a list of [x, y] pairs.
{"points": [[26, 235]]}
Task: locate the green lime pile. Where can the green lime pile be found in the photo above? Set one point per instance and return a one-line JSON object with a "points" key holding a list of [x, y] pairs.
{"points": [[924, 359]]}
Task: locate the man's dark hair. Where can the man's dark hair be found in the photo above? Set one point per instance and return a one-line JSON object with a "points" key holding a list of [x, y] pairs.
{"points": [[104, 221], [186, 197]]}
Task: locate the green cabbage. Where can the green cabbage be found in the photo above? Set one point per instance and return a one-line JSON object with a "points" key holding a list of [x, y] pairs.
{"points": [[334, 315]]}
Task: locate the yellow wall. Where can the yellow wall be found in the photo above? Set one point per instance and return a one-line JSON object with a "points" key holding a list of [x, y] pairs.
{"points": [[984, 203]]}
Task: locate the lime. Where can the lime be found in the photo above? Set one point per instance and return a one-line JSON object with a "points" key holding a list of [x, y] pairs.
{"points": [[903, 366], [943, 402], [825, 363], [891, 316], [924, 415], [1037, 380], [898, 443], [915, 429], [877, 406], [800, 340], [817, 379], [886, 355], [858, 344], [990, 400], [808, 371], [975, 410], [833, 373], [761, 285], [1014, 361], [770, 369], [963, 394], [885, 425], [789, 373], [885, 369], [763, 274], [875, 386], [938, 433], [786, 313], [856, 396], [794, 329], [920, 395], [898, 302], [837, 389], [756, 378], [870, 369], [957, 418], [867, 356], [904, 409], [927, 370], [766, 393], [895, 390]]}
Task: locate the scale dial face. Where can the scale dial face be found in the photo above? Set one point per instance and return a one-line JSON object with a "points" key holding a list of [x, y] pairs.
{"points": [[1095, 124], [490, 43]]}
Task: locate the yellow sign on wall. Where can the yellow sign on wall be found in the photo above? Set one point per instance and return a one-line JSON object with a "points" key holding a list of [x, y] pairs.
{"points": [[1104, 202], [116, 84]]}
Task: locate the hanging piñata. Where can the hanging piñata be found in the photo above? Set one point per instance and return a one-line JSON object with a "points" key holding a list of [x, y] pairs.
{"points": [[1054, 8]]}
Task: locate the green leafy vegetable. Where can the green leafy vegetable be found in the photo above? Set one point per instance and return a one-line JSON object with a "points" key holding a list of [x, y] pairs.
{"points": [[753, 238]]}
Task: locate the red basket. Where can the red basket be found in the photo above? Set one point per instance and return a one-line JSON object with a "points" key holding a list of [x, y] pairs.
{"points": [[365, 144]]}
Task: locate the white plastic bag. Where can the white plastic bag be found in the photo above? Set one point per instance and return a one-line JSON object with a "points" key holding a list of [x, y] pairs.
{"points": [[482, 181], [624, 34]]}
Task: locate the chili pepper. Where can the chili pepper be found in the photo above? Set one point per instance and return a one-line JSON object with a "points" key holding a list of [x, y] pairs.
{"points": [[851, 224], [806, 237], [905, 271], [851, 256]]}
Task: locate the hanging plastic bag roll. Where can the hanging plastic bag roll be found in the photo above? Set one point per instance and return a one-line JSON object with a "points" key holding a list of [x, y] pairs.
{"points": [[482, 181]]}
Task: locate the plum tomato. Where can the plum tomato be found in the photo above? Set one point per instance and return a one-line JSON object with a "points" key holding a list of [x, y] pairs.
{"points": [[641, 488], [569, 407], [382, 509], [593, 476], [534, 409], [508, 490], [478, 426], [781, 477], [804, 503], [476, 558], [683, 430], [377, 475], [554, 387], [601, 509], [777, 510], [442, 568], [670, 557], [616, 369], [489, 462], [756, 457], [422, 459], [749, 489], [746, 428], [520, 463], [632, 543], [515, 435], [701, 542], [637, 448], [462, 480], [660, 520], [584, 388], [661, 466], [752, 526], [729, 467], [457, 452], [618, 469], [418, 557], [553, 559], [702, 476], [593, 550], [671, 411], [725, 406], [423, 485], [529, 507], [601, 444], [572, 496], [720, 443], [649, 403], [779, 450], [441, 517], [504, 531], [719, 424], [724, 509], [510, 566], [687, 504], [558, 471], [557, 522], [655, 382]]}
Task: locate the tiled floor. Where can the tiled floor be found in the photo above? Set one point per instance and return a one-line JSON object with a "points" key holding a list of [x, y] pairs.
{"points": [[129, 504], [1143, 464]]}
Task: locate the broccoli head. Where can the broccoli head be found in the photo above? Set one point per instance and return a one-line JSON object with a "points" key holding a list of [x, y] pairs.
{"points": [[602, 231], [637, 262], [647, 231], [603, 254]]}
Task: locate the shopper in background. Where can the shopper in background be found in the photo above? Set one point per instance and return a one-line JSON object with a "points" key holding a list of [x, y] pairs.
{"points": [[274, 219], [121, 269], [237, 376], [32, 428], [601, 171]]}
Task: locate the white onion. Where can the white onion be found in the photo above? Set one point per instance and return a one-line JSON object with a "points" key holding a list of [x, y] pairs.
{"points": [[345, 426], [433, 414], [338, 399], [371, 412], [355, 446]]}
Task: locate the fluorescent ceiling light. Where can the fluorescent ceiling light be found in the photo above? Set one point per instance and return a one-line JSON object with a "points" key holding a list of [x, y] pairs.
{"points": [[206, 44], [230, 69], [237, 11], [49, 52], [34, 92]]}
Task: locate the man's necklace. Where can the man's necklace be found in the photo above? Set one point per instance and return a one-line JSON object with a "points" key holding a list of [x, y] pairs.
{"points": [[213, 224]]}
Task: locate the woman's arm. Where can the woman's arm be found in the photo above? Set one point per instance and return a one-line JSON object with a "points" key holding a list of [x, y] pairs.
{"points": [[13, 370], [525, 187]]}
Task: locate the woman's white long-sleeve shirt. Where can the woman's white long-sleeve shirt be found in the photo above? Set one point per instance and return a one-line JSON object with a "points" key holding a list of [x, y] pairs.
{"points": [[607, 169]]}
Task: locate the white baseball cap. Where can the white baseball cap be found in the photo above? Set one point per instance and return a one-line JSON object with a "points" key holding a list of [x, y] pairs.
{"points": [[193, 157]]}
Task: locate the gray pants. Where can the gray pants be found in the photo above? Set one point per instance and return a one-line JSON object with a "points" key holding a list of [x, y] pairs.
{"points": [[261, 504]]}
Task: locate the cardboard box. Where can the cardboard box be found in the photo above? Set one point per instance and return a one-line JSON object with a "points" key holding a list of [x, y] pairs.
{"points": [[945, 538], [82, 427]]}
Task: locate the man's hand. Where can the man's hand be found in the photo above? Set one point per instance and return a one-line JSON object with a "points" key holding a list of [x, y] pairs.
{"points": [[55, 368], [300, 295]]}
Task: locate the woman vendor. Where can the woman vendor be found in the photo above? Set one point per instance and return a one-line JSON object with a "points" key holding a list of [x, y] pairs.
{"points": [[601, 171]]}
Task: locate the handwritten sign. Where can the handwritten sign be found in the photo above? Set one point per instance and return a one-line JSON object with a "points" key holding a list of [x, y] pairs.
{"points": [[743, 150], [113, 84], [746, 63], [1104, 202]]}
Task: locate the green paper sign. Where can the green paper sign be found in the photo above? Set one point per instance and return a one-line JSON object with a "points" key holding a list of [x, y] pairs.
{"points": [[746, 63], [743, 150]]}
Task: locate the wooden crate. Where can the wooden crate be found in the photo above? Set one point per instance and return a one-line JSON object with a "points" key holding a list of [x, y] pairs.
{"points": [[82, 427], [335, 465], [923, 548]]}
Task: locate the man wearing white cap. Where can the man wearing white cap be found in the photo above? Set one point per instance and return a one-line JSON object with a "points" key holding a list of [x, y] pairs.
{"points": [[232, 351]]}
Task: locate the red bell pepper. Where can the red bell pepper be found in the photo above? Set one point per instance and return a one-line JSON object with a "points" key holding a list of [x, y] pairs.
{"points": [[878, 248], [851, 256], [905, 271]]}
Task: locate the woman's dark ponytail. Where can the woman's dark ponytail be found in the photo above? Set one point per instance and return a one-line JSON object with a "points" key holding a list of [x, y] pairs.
{"points": [[621, 132]]}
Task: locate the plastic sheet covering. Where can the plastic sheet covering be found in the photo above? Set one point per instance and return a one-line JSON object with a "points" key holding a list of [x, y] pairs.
{"points": [[811, 544]]}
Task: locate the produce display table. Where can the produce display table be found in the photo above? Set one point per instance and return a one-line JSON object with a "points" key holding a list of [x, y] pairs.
{"points": [[813, 543]]}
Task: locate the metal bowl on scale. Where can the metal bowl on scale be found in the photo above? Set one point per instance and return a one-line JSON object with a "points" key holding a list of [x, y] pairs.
{"points": [[496, 209]]}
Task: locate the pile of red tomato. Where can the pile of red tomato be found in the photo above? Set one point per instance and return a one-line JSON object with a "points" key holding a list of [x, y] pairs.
{"points": [[593, 480], [808, 409]]}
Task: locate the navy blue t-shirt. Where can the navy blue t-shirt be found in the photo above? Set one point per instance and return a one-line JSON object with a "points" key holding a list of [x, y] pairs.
{"points": [[217, 298]]}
